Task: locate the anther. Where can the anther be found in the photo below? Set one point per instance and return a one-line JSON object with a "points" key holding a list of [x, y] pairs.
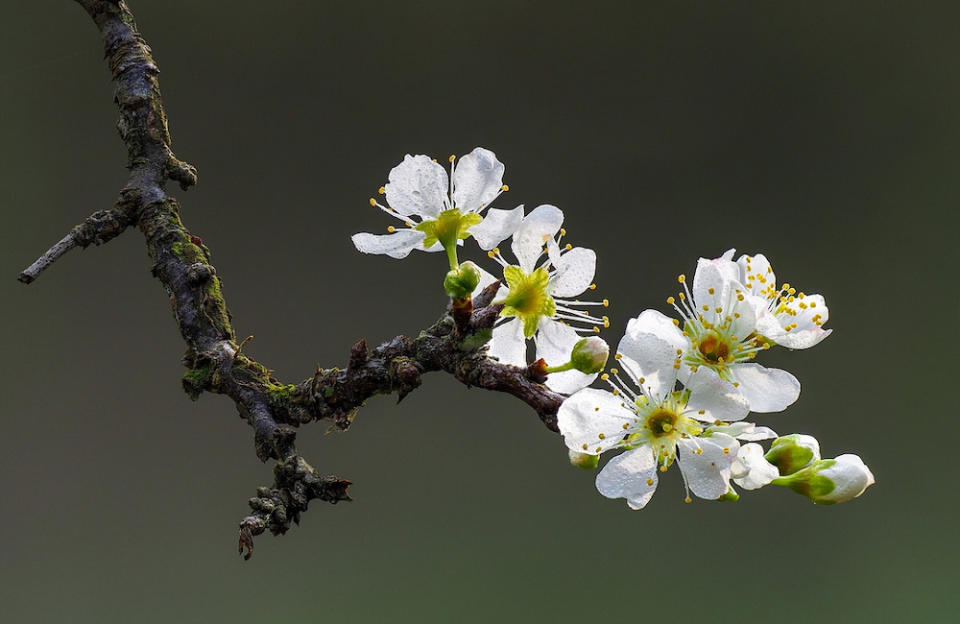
{"points": [[382, 190], [373, 202], [504, 188]]}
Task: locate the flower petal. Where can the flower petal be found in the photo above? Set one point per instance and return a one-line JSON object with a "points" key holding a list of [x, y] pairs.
{"points": [[477, 180], [591, 421], [554, 343], [417, 186], [751, 471], [744, 431], [757, 275], [631, 475], [651, 358], [712, 274], [660, 325], [575, 271], [713, 398], [396, 245], [497, 225], [508, 343], [707, 473], [767, 389], [528, 241], [808, 314]]}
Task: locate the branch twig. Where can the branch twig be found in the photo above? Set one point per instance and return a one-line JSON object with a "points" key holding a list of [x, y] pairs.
{"points": [[215, 362]]}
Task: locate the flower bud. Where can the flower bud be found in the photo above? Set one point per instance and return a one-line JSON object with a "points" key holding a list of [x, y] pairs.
{"points": [[583, 460], [829, 481], [589, 355], [751, 470], [460, 282], [793, 452]]}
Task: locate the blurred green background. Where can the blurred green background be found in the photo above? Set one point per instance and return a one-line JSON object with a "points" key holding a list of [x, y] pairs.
{"points": [[822, 134]]}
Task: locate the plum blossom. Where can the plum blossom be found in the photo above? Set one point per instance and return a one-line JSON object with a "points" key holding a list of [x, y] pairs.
{"points": [[719, 331], [657, 424], [539, 298], [437, 211], [789, 318]]}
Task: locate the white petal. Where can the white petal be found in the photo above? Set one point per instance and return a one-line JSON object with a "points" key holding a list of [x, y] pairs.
{"points": [[758, 433], [654, 322], [554, 343], [767, 389], [744, 431], [631, 475], [589, 414], [529, 239], [417, 186], [716, 398], [497, 225], [508, 343], [712, 274], [757, 274], [652, 358], [707, 473], [807, 332], [396, 245], [754, 471], [575, 271], [850, 476], [477, 179]]}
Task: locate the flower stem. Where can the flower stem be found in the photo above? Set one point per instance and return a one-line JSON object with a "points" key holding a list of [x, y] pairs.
{"points": [[559, 368], [452, 255]]}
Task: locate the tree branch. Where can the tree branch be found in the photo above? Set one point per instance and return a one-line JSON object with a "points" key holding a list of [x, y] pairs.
{"points": [[215, 362]]}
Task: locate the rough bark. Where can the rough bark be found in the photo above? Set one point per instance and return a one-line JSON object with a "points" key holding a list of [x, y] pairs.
{"points": [[215, 362]]}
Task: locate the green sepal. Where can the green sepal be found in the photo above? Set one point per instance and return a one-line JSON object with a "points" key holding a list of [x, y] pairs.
{"points": [[584, 460], [788, 456], [527, 298], [448, 227]]}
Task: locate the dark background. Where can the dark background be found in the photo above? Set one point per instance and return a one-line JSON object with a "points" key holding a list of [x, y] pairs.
{"points": [[822, 134]]}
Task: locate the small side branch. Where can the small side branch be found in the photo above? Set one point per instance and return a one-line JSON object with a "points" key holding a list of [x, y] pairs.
{"points": [[98, 228]]}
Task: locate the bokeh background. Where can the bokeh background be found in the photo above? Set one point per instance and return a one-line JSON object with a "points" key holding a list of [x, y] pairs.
{"points": [[822, 134]]}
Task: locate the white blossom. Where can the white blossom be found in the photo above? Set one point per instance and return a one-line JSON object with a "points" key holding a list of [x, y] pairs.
{"points": [[718, 330], [540, 298], [437, 211], [789, 318], [657, 424]]}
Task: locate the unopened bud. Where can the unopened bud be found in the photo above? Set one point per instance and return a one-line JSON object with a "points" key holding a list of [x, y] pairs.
{"points": [[583, 460], [589, 355], [793, 452], [829, 481], [751, 470], [460, 282]]}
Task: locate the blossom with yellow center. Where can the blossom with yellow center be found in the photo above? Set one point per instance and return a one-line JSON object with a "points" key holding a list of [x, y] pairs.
{"points": [[540, 298], [438, 212], [657, 424], [718, 330], [788, 317]]}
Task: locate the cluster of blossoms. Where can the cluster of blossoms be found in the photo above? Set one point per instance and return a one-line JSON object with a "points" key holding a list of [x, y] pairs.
{"points": [[540, 290], [683, 386], [686, 384]]}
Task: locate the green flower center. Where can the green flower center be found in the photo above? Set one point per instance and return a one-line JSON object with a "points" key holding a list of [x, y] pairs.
{"points": [[448, 227], [528, 298]]}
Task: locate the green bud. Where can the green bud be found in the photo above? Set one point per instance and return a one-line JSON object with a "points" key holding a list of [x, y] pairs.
{"points": [[589, 355], [793, 452], [583, 460], [829, 481], [460, 282]]}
